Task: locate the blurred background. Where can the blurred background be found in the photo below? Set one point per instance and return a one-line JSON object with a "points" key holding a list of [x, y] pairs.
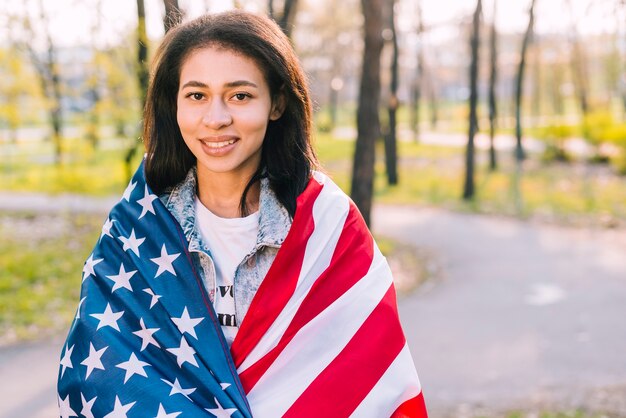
{"points": [[468, 133]]}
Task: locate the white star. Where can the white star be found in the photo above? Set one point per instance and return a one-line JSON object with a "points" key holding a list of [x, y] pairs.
{"points": [[176, 388], [119, 411], [220, 412], [146, 203], [133, 366], [224, 385], [93, 360], [128, 191], [146, 335], [106, 228], [187, 324], [132, 242], [122, 279], [66, 361], [108, 318], [87, 405], [184, 353], [79, 305], [89, 265], [65, 410], [165, 262], [163, 414], [154, 299]]}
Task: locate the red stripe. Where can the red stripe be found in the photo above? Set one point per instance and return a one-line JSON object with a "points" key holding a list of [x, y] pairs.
{"points": [[350, 262], [413, 408], [347, 380], [281, 279]]}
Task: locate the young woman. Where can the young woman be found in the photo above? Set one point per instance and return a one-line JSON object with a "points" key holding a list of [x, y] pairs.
{"points": [[233, 278]]}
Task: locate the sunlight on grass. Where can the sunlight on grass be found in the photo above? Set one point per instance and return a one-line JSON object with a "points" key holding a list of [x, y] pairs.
{"points": [[41, 258]]}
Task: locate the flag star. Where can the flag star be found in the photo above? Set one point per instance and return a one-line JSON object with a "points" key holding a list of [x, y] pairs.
{"points": [[106, 228], [176, 388], [65, 410], [79, 305], [89, 265], [146, 335], [224, 385], [122, 279], [132, 242], [146, 203], [165, 262], [119, 410], [93, 360], [66, 361], [220, 412], [87, 406], [184, 353], [108, 318], [155, 298], [133, 366], [187, 324], [129, 190], [163, 414]]}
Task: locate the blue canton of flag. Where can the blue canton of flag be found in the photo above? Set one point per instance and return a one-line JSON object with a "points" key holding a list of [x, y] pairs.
{"points": [[145, 341]]}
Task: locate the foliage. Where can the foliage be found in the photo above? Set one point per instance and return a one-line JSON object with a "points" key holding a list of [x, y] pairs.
{"points": [[41, 258]]}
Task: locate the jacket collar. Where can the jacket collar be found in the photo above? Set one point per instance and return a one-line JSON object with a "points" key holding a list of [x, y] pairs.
{"points": [[274, 220]]}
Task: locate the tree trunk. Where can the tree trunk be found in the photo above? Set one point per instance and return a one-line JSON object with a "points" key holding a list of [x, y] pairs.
{"points": [[519, 150], [416, 93], [468, 188], [173, 14], [50, 81], [142, 76], [391, 154], [368, 124], [493, 78], [93, 135], [286, 18]]}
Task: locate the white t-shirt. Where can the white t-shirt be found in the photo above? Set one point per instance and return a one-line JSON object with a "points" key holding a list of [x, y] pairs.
{"points": [[229, 240]]}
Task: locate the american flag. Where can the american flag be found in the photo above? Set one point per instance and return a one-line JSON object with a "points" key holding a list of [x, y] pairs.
{"points": [[321, 338]]}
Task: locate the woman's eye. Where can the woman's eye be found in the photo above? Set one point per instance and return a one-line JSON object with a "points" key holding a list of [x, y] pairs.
{"points": [[196, 96], [241, 96]]}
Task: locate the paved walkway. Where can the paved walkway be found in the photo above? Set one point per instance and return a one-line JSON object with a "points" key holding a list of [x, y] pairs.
{"points": [[523, 315]]}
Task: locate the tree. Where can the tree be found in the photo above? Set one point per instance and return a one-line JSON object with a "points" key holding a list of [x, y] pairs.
{"points": [[173, 14], [142, 75], [94, 82], [391, 153], [286, 18], [468, 188], [368, 123], [416, 88], [493, 78], [46, 66], [519, 150]]}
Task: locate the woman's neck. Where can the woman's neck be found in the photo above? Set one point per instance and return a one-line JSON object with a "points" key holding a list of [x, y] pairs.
{"points": [[221, 193]]}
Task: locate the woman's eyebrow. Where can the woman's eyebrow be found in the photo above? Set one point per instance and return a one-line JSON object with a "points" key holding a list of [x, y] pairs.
{"points": [[231, 84], [240, 83]]}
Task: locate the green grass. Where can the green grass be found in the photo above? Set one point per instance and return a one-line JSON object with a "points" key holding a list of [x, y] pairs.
{"points": [[429, 175], [41, 259]]}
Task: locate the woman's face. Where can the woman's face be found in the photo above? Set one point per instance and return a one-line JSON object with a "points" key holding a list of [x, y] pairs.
{"points": [[223, 108]]}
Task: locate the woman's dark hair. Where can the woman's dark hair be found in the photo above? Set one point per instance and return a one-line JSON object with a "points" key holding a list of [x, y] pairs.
{"points": [[287, 157]]}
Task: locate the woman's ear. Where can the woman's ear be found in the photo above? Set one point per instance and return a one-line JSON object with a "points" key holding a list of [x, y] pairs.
{"points": [[278, 106]]}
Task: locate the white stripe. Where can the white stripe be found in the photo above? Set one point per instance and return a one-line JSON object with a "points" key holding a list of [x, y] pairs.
{"points": [[318, 343], [399, 384], [332, 207]]}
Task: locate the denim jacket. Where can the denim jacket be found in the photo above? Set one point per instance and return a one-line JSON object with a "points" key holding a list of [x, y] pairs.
{"points": [[274, 224]]}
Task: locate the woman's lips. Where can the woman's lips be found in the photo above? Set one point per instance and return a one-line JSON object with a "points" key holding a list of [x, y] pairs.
{"points": [[218, 146]]}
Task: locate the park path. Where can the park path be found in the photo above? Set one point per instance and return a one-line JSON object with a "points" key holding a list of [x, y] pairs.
{"points": [[521, 315]]}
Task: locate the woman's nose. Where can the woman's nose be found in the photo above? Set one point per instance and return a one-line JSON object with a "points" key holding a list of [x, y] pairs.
{"points": [[217, 115]]}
